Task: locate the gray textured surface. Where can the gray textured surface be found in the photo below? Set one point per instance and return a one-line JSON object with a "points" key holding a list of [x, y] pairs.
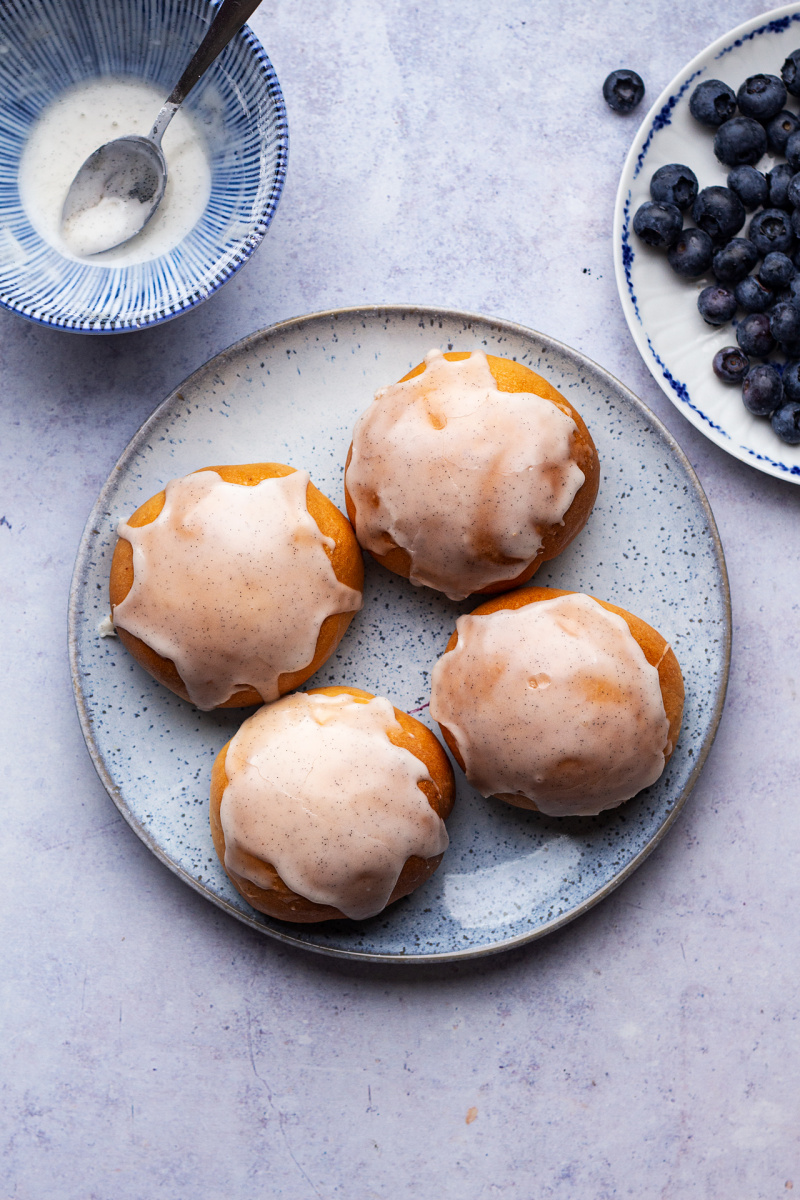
{"points": [[152, 1045]]}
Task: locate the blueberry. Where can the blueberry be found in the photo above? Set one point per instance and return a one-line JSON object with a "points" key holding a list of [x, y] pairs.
{"points": [[730, 365], [761, 96], [784, 322], [771, 230], [790, 73], [740, 140], [793, 291], [792, 150], [674, 184], [753, 335], [735, 260], [752, 296], [779, 179], [777, 270], [658, 224], [716, 305], [623, 91], [780, 128], [712, 102], [720, 212], [786, 422], [791, 380], [762, 390], [793, 190], [795, 220], [692, 253], [750, 186]]}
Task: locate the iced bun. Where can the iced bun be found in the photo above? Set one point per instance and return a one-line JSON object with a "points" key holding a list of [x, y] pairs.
{"points": [[557, 701], [330, 803], [469, 473], [235, 584]]}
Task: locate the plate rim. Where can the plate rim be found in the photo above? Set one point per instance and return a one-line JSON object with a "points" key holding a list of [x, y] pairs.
{"points": [[620, 230], [100, 507]]}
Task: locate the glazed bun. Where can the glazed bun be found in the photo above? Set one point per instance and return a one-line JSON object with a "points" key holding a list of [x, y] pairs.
{"points": [[235, 584], [559, 702], [330, 803], [469, 473]]}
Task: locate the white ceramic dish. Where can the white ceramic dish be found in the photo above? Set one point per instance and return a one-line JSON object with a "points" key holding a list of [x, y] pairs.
{"points": [[661, 308], [291, 394]]}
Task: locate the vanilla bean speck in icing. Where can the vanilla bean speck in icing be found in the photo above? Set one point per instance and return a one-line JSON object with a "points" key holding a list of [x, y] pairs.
{"points": [[554, 701], [232, 583], [317, 791], [462, 476]]}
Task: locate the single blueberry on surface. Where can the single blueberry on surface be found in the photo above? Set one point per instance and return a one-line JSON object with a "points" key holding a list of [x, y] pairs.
{"points": [[674, 184], [691, 255], [761, 97], [791, 380], [784, 322], [790, 73], [792, 151], [750, 186], [752, 296], [740, 141], [623, 90], [712, 102], [779, 179], [771, 229], [786, 422], [658, 224], [730, 364], [716, 305], [777, 270], [753, 335], [762, 390], [734, 260], [780, 128]]}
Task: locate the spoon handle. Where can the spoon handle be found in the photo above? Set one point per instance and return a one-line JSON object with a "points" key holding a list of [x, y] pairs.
{"points": [[231, 16]]}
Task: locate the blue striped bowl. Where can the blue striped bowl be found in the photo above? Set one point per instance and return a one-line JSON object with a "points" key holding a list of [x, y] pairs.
{"points": [[48, 45]]}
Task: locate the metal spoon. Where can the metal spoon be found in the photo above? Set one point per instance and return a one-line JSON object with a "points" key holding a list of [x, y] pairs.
{"points": [[120, 186]]}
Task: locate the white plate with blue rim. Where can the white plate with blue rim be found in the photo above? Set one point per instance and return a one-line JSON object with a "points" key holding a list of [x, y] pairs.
{"points": [[291, 394], [660, 307]]}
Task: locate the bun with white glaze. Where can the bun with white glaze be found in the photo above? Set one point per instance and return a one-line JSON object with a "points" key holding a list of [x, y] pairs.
{"points": [[330, 803], [469, 473], [557, 701], [235, 584]]}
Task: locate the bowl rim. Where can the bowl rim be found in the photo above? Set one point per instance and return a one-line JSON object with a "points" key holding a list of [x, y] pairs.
{"points": [[262, 66]]}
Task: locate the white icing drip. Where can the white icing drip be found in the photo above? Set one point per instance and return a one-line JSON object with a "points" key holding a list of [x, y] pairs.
{"points": [[317, 790], [232, 583], [464, 477], [554, 701]]}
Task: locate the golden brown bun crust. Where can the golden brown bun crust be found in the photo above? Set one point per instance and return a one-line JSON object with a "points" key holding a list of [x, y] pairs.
{"points": [[514, 377], [346, 559], [279, 900], [656, 650]]}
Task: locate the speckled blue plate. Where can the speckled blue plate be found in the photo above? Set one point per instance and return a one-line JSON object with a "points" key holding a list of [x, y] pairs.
{"points": [[660, 308], [291, 394]]}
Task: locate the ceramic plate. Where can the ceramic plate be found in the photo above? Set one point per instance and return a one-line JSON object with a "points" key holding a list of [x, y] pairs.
{"points": [[661, 308], [291, 394]]}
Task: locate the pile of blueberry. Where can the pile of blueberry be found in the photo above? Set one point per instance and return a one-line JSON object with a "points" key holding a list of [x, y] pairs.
{"points": [[759, 273]]}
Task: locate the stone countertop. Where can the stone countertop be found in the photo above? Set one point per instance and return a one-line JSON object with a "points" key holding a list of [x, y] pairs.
{"points": [[458, 155]]}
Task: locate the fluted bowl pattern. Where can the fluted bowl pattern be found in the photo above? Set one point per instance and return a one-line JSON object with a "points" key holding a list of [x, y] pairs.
{"points": [[48, 45]]}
